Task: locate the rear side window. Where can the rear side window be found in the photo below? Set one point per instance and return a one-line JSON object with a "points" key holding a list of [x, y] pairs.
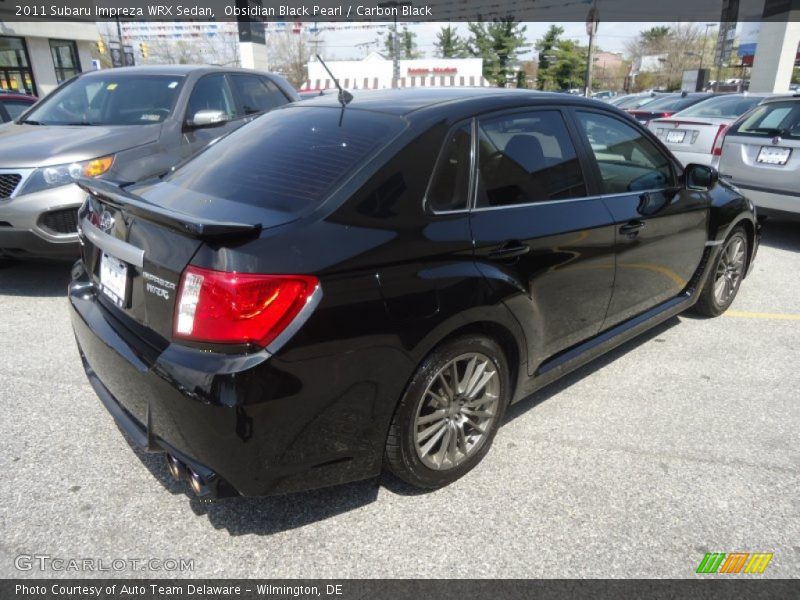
{"points": [[450, 184], [773, 119], [526, 157], [288, 160], [627, 160], [256, 94]]}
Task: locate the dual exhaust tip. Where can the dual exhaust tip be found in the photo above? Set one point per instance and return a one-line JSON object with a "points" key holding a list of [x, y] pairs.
{"points": [[181, 471]]}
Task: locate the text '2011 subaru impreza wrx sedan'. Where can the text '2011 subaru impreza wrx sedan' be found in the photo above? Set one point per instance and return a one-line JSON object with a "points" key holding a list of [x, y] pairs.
{"points": [[339, 288]]}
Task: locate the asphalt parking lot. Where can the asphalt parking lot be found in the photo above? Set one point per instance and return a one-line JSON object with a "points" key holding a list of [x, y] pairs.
{"points": [[683, 442]]}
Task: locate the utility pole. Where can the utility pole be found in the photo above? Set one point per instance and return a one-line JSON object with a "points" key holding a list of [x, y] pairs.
{"points": [[394, 4], [705, 37], [591, 31]]}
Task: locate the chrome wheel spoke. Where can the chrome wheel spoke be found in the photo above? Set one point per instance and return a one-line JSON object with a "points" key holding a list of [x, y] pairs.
{"points": [[424, 435], [434, 416], [432, 442], [475, 389]]}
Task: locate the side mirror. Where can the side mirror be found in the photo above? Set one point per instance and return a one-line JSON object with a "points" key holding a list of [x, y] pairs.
{"points": [[700, 177], [207, 118]]}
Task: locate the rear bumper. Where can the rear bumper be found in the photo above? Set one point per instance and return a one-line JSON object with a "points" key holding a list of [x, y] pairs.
{"points": [[780, 201], [252, 424], [23, 233]]}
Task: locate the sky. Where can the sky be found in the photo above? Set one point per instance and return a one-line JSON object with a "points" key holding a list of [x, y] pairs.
{"points": [[344, 43]]}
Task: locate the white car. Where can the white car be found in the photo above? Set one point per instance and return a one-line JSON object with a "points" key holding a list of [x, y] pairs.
{"points": [[761, 155], [695, 134]]}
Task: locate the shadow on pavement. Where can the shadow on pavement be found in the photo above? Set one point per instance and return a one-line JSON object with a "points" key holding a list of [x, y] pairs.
{"points": [[264, 516], [781, 233], [35, 278], [520, 408]]}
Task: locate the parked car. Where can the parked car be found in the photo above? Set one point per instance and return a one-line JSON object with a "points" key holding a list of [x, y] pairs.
{"points": [[335, 288], [695, 135], [634, 100], [123, 124], [667, 105], [761, 155], [13, 105], [604, 95]]}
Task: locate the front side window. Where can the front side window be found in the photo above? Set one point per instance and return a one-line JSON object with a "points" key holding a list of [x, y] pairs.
{"points": [[526, 157], [450, 184], [627, 160], [109, 99], [65, 59], [256, 94], [212, 93]]}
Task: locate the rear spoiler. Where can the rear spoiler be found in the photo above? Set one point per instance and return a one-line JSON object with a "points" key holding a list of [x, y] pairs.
{"points": [[202, 229]]}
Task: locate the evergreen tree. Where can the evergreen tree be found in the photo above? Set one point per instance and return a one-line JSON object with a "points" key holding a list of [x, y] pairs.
{"points": [[449, 44], [499, 44]]}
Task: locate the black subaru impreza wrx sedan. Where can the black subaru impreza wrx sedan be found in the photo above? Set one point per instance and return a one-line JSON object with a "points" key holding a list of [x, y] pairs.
{"points": [[342, 287]]}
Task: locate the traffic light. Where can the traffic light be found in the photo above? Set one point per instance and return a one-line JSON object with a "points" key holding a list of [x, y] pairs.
{"points": [[101, 46], [143, 49]]}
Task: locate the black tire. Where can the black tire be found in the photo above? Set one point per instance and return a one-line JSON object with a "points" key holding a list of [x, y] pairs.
{"points": [[402, 457], [710, 303]]}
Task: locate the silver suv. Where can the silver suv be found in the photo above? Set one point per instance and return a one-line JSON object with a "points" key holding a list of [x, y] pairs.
{"points": [[126, 125], [761, 155]]}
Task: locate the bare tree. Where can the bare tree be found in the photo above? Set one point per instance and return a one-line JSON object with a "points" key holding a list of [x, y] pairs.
{"points": [[673, 49], [289, 54]]}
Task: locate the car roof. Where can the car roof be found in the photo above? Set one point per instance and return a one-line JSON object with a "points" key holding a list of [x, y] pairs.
{"points": [[168, 70], [408, 100], [15, 96]]}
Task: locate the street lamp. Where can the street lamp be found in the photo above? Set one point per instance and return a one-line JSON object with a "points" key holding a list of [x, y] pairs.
{"points": [[705, 37]]}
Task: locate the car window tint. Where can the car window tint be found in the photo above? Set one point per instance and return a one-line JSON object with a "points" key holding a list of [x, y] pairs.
{"points": [[256, 94], [773, 119], [288, 160], [628, 161], [211, 93], [16, 107], [450, 184], [526, 157]]}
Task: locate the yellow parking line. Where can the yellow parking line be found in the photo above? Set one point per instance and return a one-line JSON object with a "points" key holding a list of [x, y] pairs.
{"points": [[759, 315]]}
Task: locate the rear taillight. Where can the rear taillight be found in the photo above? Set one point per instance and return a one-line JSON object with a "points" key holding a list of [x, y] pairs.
{"points": [[716, 149], [667, 114], [238, 308]]}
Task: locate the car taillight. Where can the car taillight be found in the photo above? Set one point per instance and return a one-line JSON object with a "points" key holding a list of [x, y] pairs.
{"points": [[238, 308], [716, 149], [667, 114]]}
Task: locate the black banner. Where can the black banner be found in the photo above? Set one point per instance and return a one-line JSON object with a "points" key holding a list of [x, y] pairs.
{"points": [[379, 10], [379, 589]]}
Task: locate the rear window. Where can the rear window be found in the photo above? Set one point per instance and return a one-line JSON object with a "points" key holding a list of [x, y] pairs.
{"points": [[722, 107], [672, 103], [773, 119], [288, 160]]}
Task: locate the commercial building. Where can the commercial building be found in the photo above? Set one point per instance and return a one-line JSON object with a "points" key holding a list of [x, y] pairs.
{"points": [[36, 57], [376, 72]]}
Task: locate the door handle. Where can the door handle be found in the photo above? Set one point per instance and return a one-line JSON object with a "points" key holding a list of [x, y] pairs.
{"points": [[509, 250], [632, 227]]}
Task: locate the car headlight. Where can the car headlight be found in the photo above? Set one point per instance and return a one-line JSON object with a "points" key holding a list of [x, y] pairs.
{"points": [[49, 177]]}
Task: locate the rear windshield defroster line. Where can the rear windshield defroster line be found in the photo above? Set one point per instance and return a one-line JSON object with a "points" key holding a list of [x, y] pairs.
{"points": [[288, 160]]}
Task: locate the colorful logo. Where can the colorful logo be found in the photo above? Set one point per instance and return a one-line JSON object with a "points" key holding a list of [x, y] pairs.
{"points": [[734, 562]]}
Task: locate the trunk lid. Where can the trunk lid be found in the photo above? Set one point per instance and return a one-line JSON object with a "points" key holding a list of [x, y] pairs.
{"points": [[135, 252]]}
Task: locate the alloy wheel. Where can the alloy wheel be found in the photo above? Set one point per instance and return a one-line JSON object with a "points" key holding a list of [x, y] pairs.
{"points": [[730, 269], [457, 411]]}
